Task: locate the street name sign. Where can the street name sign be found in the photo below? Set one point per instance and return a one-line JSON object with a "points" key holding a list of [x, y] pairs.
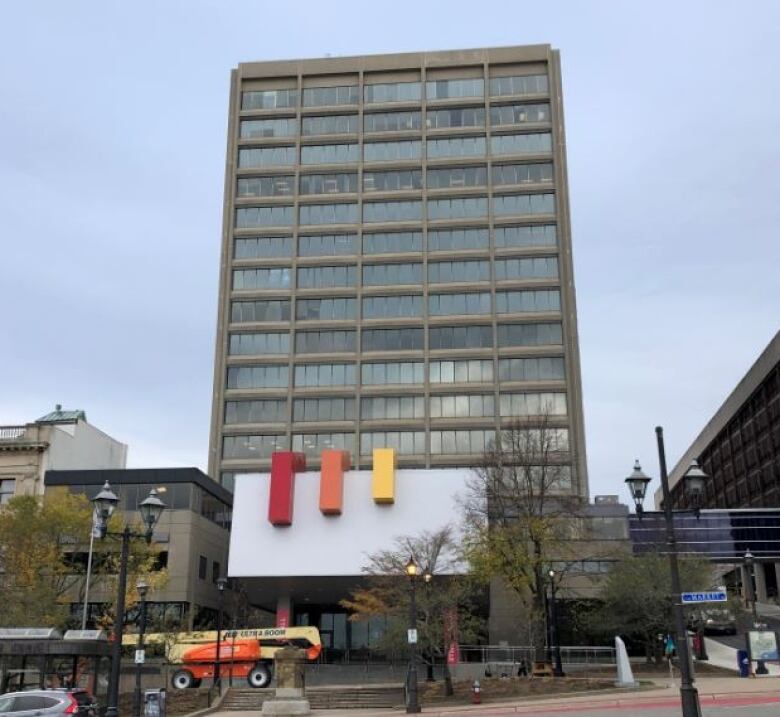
{"points": [[712, 596]]}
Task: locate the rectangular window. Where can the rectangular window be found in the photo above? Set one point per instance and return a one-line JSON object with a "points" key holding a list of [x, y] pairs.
{"points": [[262, 247], [275, 186], [256, 217], [334, 309], [343, 182], [247, 311], [392, 242], [325, 374], [456, 239], [325, 342], [391, 121], [538, 235], [249, 157], [252, 447], [533, 173], [216, 571], [518, 85], [523, 204], [385, 307], [392, 407], [392, 274], [323, 409], [544, 368], [446, 272], [537, 143], [541, 267], [313, 444], [395, 181], [251, 129], [203, 566], [474, 371], [463, 208], [463, 442], [376, 212], [404, 442], [407, 339], [256, 411], [452, 89], [398, 373], [460, 337], [456, 147], [312, 277], [533, 404], [327, 245], [328, 214], [329, 153], [391, 151], [462, 406], [552, 439], [259, 344], [263, 376], [456, 117], [449, 177], [329, 124], [518, 302], [277, 277], [459, 304], [502, 115], [7, 490], [330, 96], [269, 99], [392, 92], [550, 334]]}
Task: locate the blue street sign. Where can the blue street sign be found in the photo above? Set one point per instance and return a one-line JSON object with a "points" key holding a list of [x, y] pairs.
{"points": [[712, 596]]}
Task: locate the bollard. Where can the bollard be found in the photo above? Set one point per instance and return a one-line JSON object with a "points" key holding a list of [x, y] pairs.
{"points": [[476, 693]]}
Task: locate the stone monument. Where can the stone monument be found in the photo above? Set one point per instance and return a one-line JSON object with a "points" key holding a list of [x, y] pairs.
{"points": [[289, 696]]}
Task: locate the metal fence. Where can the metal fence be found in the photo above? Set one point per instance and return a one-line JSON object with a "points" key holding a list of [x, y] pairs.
{"points": [[512, 655]]}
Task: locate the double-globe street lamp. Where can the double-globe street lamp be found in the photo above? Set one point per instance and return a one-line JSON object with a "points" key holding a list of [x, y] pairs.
{"points": [[412, 699], [142, 587], [221, 585], [693, 481], [151, 509], [555, 645]]}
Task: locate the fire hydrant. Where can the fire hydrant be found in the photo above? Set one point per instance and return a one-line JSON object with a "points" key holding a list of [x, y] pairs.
{"points": [[476, 694]]}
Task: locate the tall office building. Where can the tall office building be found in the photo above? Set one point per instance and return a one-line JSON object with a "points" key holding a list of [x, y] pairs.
{"points": [[396, 264]]}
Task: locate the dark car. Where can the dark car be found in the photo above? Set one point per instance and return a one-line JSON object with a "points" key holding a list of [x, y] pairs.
{"points": [[719, 621], [48, 703]]}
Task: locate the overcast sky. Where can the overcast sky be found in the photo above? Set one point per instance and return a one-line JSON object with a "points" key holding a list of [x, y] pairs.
{"points": [[112, 145]]}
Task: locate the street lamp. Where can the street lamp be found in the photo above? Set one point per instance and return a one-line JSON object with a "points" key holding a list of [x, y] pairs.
{"points": [[151, 509], [142, 587], [412, 701], [221, 585], [427, 577], [693, 482], [556, 647]]}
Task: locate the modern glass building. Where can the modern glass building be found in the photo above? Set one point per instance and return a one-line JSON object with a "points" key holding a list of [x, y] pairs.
{"points": [[396, 260]]}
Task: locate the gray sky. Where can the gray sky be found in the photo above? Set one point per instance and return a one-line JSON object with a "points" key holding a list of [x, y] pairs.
{"points": [[112, 139]]}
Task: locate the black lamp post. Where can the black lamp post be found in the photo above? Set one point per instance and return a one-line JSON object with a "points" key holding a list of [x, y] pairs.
{"points": [[427, 579], [151, 509], [751, 599], [221, 585], [412, 699], [556, 647], [142, 588], [694, 479]]}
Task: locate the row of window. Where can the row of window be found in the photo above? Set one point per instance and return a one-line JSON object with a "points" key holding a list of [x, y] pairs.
{"points": [[395, 180], [411, 273], [393, 339], [541, 368], [451, 442], [396, 306], [539, 235], [394, 92], [406, 150], [500, 116], [520, 205], [395, 407]]}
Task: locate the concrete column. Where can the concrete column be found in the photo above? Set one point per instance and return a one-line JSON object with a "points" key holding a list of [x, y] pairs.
{"points": [[761, 595], [283, 611]]}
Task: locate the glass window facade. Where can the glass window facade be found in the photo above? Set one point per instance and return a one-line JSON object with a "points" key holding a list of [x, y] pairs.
{"points": [[256, 217], [460, 337], [532, 404], [462, 406], [392, 181], [256, 411], [269, 99], [501, 115], [511, 302], [327, 244], [540, 267], [312, 277], [457, 117], [325, 374], [313, 444], [263, 376], [271, 310], [392, 92], [523, 236], [396, 306], [530, 334], [391, 151], [328, 214], [395, 373], [262, 278], [454, 304], [325, 342], [537, 143], [392, 407], [473, 442], [249, 157], [262, 247], [449, 177], [375, 212], [252, 447], [392, 121], [458, 239], [446, 272], [323, 409], [462, 208], [519, 85], [331, 309], [259, 344], [404, 442], [338, 183], [329, 96], [392, 242], [407, 339], [456, 147], [274, 186], [523, 204], [449, 89], [472, 371], [251, 129], [392, 274], [528, 173], [329, 124], [543, 368], [329, 153]]}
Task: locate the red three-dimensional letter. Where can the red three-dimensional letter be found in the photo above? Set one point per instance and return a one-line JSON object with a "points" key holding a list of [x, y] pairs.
{"points": [[284, 465]]}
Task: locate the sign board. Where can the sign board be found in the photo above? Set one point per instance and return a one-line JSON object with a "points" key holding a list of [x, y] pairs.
{"points": [[140, 657], [712, 596], [762, 645], [411, 637]]}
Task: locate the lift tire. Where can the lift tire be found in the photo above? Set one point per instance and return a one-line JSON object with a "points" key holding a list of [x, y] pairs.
{"points": [[183, 680], [259, 676]]}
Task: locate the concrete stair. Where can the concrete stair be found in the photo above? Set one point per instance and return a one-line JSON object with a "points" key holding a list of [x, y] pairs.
{"points": [[321, 698]]}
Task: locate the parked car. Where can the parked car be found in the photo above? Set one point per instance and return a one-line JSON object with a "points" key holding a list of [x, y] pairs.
{"points": [[719, 621], [48, 703]]}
